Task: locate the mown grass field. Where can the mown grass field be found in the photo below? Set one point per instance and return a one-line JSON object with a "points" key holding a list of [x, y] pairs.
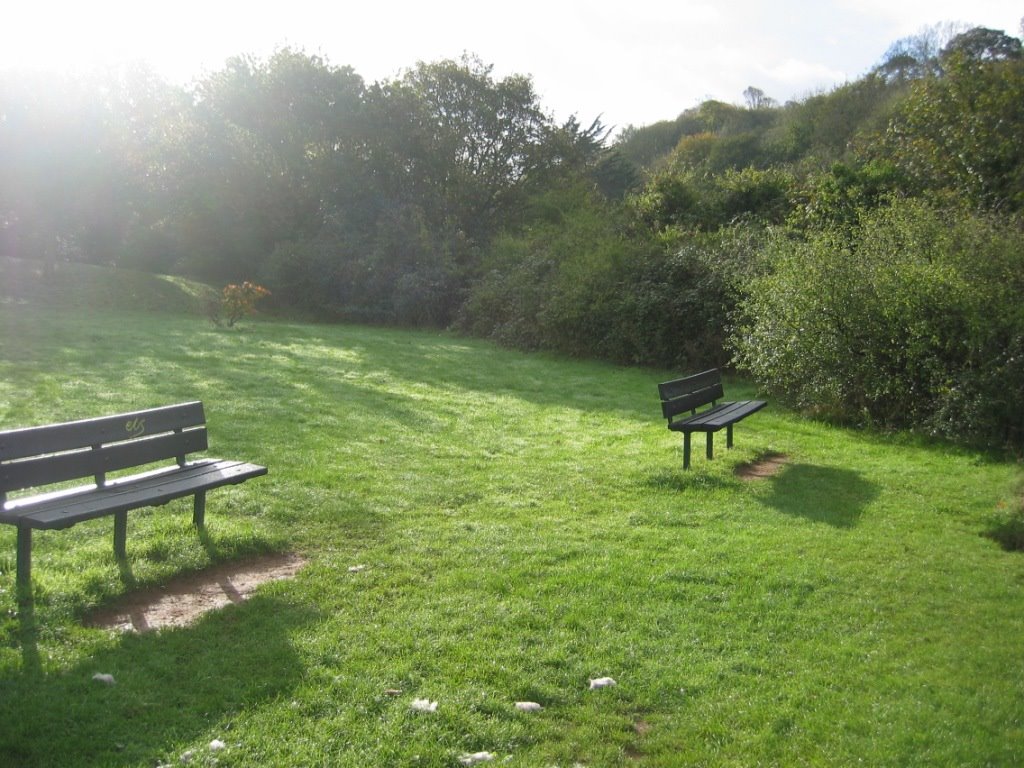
{"points": [[525, 526]]}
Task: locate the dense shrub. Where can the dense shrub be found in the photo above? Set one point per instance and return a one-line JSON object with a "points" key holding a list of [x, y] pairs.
{"points": [[686, 202], [575, 283], [674, 308], [911, 317], [554, 284]]}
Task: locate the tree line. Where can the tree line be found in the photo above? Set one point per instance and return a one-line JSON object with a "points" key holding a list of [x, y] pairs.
{"points": [[355, 200], [858, 251]]}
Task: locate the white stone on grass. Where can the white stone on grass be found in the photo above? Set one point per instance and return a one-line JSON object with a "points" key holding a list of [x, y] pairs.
{"points": [[528, 706], [602, 682], [476, 757], [424, 705], [102, 677]]}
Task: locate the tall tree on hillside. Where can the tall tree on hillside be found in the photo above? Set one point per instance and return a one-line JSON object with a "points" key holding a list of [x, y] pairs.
{"points": [[982, 44], [758, 99], [960, 133], [63, 174], [916, 56], [447, 157], [153, 132], [269, 140], [467, 141]]}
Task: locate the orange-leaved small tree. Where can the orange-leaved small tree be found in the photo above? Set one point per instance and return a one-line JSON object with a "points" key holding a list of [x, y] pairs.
{"points": [[237, 301]]}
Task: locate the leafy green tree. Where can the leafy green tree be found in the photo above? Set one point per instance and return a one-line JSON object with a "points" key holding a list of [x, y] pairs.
{"points": [[729, 133], [981, 44], [464, 141], [446, 157], [918, 55], [675, 304], [267, 141], [758, 99], [65, 181], [644, 145], [556, 284], [824, 128], [616, 176], [960, 133]]}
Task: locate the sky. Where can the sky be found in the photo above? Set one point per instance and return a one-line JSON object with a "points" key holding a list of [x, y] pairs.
{"points": [[626, 63]]}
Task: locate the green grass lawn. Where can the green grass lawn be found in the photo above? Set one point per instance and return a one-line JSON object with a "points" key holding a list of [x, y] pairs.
{"points": [[525, 526]]}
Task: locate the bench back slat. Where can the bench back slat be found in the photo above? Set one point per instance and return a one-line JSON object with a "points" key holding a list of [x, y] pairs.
{"points": [[54, 438], [91, 462], [35, 456], [686, 394]]}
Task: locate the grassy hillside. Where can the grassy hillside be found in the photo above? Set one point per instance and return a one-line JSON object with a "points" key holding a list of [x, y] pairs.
{"points": [[524, 525], [85, 286]]}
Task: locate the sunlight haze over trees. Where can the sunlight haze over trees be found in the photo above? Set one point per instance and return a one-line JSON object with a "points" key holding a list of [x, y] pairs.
{"points": [[450, 195]]}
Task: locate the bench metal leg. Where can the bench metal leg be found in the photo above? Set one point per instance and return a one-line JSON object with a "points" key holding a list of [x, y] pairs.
{"points": [[199, 511], [711, 445], [686, 450], [24, 578], [728, 436], [120, 535]]}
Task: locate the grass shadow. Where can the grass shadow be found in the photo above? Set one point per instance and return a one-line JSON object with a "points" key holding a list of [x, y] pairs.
{"points": [[127, 575], [447, 359], [28, 638], [829, 495], [688, 480], [1007, 530], [170, 687]]}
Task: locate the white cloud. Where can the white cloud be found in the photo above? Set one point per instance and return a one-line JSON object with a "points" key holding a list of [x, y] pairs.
{"points": [[798, 73], [909, 16]]}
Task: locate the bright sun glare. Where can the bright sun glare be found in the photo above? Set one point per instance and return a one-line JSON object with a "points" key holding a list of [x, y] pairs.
{"points": [[588, 59], [75, 37]]}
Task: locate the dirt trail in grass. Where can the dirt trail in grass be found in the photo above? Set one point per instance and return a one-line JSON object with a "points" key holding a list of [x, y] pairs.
{"points": [[768, 465], [185, 599]]}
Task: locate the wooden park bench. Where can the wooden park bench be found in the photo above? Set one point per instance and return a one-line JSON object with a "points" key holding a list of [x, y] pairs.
{"points": [[686, 395], [36, 457]]}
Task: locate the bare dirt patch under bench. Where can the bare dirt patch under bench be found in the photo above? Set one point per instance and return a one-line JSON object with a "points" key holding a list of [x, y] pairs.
{"points": [[766, 466], [185, 599]]}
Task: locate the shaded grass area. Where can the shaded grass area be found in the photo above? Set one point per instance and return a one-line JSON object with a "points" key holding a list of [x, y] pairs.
{"points": [[525, 525], [85, 286]]}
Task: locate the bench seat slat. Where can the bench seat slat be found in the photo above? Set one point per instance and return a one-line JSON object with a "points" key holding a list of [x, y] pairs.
{"points": [[722, 415], [148, 489]]}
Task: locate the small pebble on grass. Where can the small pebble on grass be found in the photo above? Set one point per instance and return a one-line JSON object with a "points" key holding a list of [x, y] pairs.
{"points": [[602, 682]]}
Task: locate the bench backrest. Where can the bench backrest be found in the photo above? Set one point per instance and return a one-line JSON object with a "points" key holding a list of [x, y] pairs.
{"points": [[38, 456], [690, 393]]}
